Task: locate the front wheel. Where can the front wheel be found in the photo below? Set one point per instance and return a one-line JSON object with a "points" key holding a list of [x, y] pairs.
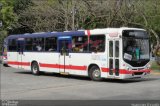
{"points": [[35, 68], [95, 73]]}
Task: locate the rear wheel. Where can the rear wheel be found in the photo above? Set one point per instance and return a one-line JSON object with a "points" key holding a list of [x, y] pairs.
{"points": [[5, 65], [35, 68], [95, 73]]}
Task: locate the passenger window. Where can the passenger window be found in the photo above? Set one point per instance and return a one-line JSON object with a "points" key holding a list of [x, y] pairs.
{"points": [[117, 48], [51, 44], [38, 44], [110, 48], [97, 43], [79, 44], [28, 44], [12, 45], [111, 66]]}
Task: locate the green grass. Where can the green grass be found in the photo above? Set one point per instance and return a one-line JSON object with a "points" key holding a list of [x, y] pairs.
{"points": [[155, 66]]}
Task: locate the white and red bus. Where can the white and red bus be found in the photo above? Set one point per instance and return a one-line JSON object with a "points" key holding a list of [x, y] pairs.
{"points": [[118, 53]]}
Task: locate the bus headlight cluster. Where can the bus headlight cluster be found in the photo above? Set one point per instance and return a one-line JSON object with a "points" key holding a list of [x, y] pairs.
{"points": [[148, 66], [128, 68]]}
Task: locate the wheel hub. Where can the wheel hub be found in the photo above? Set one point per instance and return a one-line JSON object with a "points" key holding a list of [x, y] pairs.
{"points": [[34, 69], [96, 73]]}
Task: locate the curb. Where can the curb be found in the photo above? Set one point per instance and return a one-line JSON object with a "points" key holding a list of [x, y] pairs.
{"points": [[155, 73]]}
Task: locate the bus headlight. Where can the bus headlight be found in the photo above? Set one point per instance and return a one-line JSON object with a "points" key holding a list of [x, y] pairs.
{"points": [[127, 68], [148, 66]]}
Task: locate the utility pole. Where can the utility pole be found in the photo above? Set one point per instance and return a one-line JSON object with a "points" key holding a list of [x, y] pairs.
{"points": [[73, 15], [74, 11]]}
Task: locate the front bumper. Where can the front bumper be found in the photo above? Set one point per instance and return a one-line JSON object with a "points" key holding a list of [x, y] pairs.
{"points": [[135, 73]]}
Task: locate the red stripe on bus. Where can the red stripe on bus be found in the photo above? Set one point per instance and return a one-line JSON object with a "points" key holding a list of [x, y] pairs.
{"points": [[73, 67], [78, 67], [49, 65], [123, 71], [19, 63], [105, 69]]}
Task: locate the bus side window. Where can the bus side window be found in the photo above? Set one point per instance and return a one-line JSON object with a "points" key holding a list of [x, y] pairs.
{"points": [[12, 45], [51, 44], [79, 44], [38, 44], [110, 48], [97, 43], [28, 44], [117, 48]]}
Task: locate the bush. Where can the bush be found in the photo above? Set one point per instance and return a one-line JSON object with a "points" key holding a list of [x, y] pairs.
{"points": [[155, 66]]}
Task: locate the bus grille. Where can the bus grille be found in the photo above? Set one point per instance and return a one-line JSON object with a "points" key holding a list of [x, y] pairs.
{"points": [[138, 73]]}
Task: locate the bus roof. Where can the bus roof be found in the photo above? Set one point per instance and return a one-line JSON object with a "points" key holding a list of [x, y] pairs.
{"points": [[47, 34], [110, 30], [113, 32]]}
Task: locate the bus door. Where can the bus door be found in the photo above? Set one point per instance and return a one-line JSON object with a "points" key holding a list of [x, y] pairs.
{"points": [[20, 49], [64, 44], [113, 60]]}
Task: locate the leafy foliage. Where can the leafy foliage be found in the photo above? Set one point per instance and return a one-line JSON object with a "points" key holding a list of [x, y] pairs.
{"points": [[27, 16], [7, 17]]}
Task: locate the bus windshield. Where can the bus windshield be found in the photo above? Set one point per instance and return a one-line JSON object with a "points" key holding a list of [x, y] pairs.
{"points": [[136, 47]]}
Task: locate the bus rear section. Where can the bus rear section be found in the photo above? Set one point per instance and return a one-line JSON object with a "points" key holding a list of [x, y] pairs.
{"points": [[4, 54]]}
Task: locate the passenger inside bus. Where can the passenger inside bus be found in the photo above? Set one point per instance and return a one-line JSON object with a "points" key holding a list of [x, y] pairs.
{"points": [[97, 46], [76, 49], [133, 50], [129, 46], [39, 48], [52, 48]]}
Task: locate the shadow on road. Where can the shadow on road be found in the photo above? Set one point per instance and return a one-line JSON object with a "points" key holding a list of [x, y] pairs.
{"points": [[23, 72], [58, 75], [129, 80], [136, 80]]}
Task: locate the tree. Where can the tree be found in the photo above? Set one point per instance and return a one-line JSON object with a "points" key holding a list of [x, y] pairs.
{"points": [[19, 6], [59, 15], [8, 18]]}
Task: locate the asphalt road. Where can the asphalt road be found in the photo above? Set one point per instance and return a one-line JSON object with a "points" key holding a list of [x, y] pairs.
{"points": [[22, 85]]}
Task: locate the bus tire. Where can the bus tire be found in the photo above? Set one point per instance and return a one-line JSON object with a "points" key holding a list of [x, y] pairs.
{"points": [[95, 73], [5, 65], [35, 68]]}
